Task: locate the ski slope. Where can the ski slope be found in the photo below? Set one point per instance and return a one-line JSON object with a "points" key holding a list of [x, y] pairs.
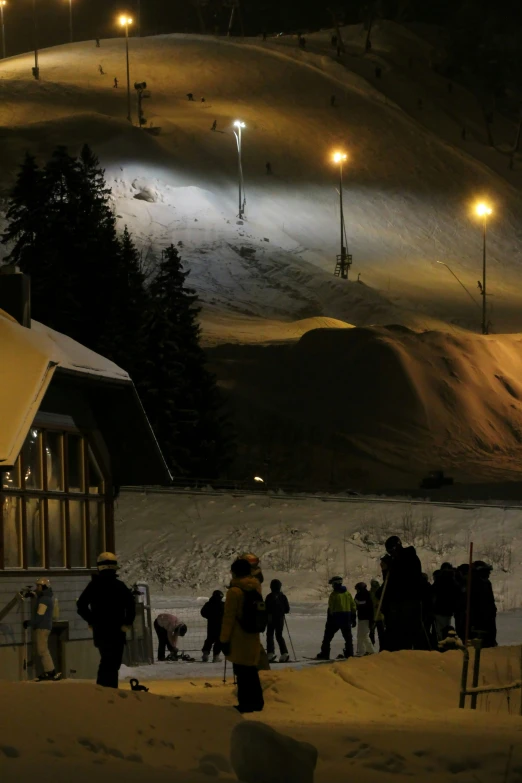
{"points": [[409, 183]]}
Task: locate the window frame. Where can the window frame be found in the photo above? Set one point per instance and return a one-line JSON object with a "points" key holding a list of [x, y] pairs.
{"points": [[104, 498]]}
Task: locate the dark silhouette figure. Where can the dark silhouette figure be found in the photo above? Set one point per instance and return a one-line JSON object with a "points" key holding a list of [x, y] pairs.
{"points": [[202, 100], [115, 82], [268, 168], [213, 611], [190, 96], [135, 686], [100, 68], [332, 101], [97, 43], [479, 286], [214, 125]]}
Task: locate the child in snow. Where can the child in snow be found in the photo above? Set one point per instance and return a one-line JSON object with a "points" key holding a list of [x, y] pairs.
{"points": [[276, 607], [168, 629], [341, 617], [364, 602], [212, 611]]}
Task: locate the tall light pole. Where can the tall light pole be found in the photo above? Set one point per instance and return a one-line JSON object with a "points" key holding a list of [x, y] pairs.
{"points": [[240, 125], [484, 211], [125, 21], [70, 22], [3, 3], [343, 261], [36, 69]]}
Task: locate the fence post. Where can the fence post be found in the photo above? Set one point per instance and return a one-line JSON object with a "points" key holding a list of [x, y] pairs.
{"points": [[477, 644], [468, 596], [464, 678]]}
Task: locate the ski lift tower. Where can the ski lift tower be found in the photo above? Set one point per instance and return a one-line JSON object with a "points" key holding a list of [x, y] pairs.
{"points": [[344, 259]]}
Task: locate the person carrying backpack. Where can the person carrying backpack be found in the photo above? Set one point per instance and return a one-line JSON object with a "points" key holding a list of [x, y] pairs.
{"points": [[212, 611], [243, 620], [277, 607]]}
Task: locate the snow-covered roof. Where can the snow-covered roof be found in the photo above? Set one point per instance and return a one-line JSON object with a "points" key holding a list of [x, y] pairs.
{"points": [[29, 360]]}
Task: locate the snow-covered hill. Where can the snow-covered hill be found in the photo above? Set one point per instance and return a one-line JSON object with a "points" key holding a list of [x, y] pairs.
{"points": [[408, 190]]}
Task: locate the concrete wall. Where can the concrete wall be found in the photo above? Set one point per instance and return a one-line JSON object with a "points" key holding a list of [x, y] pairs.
{"points": [[77, 648]]}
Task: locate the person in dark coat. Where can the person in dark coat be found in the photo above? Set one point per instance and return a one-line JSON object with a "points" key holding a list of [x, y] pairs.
{"points": [[107, 606], [402, 603], [461, 577], [427, 610], [483, 617], [365, 615], [212, 611], [277, 607], [445, 597]]}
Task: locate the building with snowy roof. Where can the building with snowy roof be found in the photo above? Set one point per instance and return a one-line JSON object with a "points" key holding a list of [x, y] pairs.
{"points": [[72, 430]]}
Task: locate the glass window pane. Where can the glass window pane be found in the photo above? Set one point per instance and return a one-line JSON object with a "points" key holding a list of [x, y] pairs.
{"points": [[94, 476], [34, 523], [12, 517], [32, 460], [75, 459], [77, 533], [11, 478], [54, 460], [96, 531], [56, 527]]}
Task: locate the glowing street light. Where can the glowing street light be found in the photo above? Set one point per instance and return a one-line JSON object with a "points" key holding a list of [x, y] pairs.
{"points": [[240, 125], [483, 211], [125, 21], [259, 479], [343, 260]]}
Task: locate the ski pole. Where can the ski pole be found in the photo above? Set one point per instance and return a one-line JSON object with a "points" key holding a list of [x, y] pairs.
{"points": [[290, 638], [225, 672]]}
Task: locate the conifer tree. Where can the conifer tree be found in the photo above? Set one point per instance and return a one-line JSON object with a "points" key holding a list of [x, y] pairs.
{"points": [[180, 396]]}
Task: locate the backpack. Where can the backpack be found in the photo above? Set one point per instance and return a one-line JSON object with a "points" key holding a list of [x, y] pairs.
{"points": [[254, 616]]}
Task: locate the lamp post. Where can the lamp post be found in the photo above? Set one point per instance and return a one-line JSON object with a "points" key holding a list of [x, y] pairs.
{"points": [[70, 22], [125, 21], [2, 4], [484, 211], [239, 125], [343, 263], [36, 69]]}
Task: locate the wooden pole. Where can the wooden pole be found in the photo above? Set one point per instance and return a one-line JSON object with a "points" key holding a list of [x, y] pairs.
{"points": [[468, 596], [464, 679], [476, 672], [521, 679]]}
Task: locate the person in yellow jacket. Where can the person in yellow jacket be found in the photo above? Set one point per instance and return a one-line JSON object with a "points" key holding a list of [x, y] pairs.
{"points": [[243, 647], [342, 616]]}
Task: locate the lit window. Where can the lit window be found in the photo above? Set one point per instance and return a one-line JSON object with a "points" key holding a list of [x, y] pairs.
{"points": [[12, 520], [56, 533], [77, 533], [34, 525]]}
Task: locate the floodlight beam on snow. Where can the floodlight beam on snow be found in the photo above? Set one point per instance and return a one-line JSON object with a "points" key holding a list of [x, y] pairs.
{"points": [[239, 124], [483, 210], [125, 21]]}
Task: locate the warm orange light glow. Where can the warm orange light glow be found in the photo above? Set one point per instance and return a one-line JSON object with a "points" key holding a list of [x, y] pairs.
{"points": [[125, 20], [483, 210], [339, 157]]}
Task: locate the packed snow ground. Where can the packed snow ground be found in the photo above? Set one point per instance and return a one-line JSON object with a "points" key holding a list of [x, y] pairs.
{"points": [[391, 717], [184, 543], [410, 181]]}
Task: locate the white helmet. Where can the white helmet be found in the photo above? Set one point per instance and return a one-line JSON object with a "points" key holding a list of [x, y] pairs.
{"points": [[107, 560], [43, 581]]}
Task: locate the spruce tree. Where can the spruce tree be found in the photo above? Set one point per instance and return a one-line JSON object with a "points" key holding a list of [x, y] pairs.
{"points": [[180, 396]]}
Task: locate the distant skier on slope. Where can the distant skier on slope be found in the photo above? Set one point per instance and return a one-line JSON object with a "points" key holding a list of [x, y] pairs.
{"points": [[277, 607], [115, 82], [212, 611], [341, 616], [190, 96], [100, 68], [97, 43], [268, 167], [168, 629], [214, 126]]}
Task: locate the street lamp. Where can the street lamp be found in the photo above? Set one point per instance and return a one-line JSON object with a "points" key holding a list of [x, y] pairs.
{"points": [[36, 69], [125, 21], [70, 22], [2, 4], [483, 211], [239, 125], [343, 261]]}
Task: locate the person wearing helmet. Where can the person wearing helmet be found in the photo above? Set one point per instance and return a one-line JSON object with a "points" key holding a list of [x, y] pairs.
{"points": [[341, 617], [255, 568], [107, 606], [402, 599], [168, 630], [277, 607], [42, 624], [212, 611]]}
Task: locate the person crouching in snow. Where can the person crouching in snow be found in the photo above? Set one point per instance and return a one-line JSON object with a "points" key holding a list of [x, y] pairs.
{"points": [[243, 620], [341, 617], [212, 611], [364, 603], [276, 608], [168, 629]]}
